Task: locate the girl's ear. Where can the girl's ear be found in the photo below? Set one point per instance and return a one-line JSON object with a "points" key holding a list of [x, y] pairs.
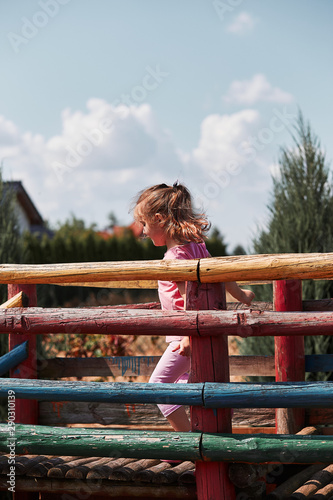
{"points": [[159, 218]]}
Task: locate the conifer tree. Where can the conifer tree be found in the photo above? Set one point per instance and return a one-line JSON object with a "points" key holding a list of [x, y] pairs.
{"points": [[9, 231], [301, 218]]}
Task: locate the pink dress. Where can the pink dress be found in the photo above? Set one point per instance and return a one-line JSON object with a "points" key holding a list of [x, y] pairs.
{"points": [[173, 367]]}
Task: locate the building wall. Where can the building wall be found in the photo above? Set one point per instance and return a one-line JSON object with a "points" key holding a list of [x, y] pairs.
{"points": [[22, 219]]}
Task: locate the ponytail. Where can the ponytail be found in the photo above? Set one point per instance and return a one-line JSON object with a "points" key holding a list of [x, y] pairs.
{"points": [[174, 203]]}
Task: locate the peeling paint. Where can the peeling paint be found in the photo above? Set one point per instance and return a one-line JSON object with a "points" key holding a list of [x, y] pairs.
{"points": [[131, 362]]}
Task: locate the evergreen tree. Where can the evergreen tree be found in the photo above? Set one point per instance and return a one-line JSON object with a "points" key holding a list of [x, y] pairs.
{"points": [[300, 219], [215, 244], [9, 231]]}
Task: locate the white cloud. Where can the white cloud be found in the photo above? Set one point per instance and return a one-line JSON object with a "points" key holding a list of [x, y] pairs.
{"points": [[101, 158], [107, 166], [257, 89], [242, 24], [222, 137]]}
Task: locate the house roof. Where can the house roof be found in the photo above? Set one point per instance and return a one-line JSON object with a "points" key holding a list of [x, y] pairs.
{"points": [[34, 217]]}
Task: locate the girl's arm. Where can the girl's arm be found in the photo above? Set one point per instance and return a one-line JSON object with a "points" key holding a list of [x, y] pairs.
{"points": [[242, 295], [183, 347]]}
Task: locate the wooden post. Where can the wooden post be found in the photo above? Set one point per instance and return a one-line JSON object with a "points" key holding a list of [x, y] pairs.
{"points": [[210, 363], [289, 354], [26, 411]]}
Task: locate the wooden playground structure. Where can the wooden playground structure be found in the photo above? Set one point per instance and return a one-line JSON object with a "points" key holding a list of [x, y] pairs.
{"points": [[243, 434]]}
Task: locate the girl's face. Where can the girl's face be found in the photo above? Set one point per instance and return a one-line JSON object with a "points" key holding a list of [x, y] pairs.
{"points": [[153, 230]]}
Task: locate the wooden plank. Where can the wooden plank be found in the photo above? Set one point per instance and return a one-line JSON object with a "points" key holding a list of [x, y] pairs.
{"points": [[69, 413], [116, 392], [289, 354], [217, 269], [16, 301], [64, 413], [112, 366], [136, 284], [184, 446], [33, 439], [154, 322], [86, 272], [202, 394], [266, 267], [277, 448], [77, 490], [97, 320], [26, 411], [134, 366]]}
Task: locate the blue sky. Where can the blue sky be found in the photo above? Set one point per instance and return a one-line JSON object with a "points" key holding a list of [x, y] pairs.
{"points": [[101, 99]]}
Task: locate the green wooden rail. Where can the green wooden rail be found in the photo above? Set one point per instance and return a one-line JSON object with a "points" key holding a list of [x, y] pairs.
{"points": [[37, 439]]}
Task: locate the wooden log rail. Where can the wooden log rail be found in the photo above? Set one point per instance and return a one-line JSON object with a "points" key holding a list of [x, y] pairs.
{"points": [[174, 323], [134, 366], [206, 394], [209, 270], [206, 447]]}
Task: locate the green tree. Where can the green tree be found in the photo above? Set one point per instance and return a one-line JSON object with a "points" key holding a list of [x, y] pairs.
{"points": [[9, 230], [215, 244], [10, 247], [300, 219]]}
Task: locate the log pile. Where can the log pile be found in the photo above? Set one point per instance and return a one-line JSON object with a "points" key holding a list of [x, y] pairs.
{"points": [[122, 474]]}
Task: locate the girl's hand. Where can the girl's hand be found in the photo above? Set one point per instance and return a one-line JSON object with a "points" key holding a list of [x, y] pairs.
{"points": [[248, 297], [184, 347]]}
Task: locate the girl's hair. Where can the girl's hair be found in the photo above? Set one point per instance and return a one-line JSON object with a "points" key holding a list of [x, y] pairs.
{"points": [[174, 204]]}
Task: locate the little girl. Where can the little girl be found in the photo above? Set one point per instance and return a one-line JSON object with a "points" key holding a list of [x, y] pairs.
{"points": [[168, 218]]}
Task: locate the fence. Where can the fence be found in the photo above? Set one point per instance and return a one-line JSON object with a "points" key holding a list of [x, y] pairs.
{"points": [[210, 395]]}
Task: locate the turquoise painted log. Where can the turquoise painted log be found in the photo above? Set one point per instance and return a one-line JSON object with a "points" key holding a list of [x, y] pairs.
{"points": [[109, 392], [207, 394], [13, 358], [269, 395], [259, 448], [38, 439]]}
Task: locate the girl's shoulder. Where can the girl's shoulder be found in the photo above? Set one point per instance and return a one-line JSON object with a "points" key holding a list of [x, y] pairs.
{"points": [[190, 250]]}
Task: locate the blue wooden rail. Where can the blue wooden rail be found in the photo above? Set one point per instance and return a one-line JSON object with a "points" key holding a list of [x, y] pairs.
{"points": [[206, 394], [13, 358]]}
